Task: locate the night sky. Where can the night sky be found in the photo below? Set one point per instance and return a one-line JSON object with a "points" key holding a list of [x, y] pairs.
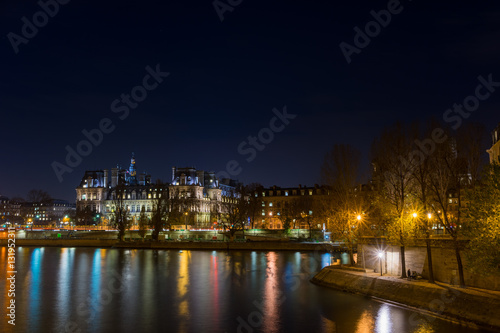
{"points": [[226, 77]]}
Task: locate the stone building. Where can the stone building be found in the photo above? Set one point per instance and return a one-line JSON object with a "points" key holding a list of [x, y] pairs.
{"points": [[10, 211], [46, 213], [201, 193], [298, 203]]}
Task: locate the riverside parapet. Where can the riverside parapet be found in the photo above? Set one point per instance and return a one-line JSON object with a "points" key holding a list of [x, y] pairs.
{"points": [[176, 245], [471, 306]]}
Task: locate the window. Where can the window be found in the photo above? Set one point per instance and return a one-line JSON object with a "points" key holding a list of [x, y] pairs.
{"points": [[310, 192], [286, 193], [270, 204], [84, 197], [263, 204], [263, 213]]}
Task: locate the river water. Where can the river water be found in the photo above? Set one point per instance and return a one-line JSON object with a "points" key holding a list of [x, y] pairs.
{"points": [[116, 290]]}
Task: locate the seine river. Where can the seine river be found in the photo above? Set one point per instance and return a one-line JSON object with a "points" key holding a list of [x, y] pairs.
{"points": [[114, 290]]}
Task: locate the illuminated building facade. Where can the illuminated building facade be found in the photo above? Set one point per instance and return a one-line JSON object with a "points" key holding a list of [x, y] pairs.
{"points": [[201, 192], [46, 213], [299, 203]]}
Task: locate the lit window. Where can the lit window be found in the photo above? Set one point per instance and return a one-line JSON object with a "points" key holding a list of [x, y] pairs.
{"points": [[270, 204], [286, 193]]}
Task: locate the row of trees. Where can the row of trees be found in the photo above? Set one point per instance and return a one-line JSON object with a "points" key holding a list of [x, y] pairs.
{"points": [[423, 175]]}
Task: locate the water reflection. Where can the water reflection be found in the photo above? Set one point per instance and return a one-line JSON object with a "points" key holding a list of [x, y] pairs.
{"points": [[328, 326], [365, 323], [272, 295], [35, 281], [64, 278], [383, 322], [182, 289], [205, 291]]}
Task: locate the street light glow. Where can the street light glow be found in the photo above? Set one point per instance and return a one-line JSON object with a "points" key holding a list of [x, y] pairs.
{"points": [[359, 217], [380, 254], [429, 216], [414, 214]]}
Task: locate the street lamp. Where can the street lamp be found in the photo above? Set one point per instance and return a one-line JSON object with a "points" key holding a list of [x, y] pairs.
{"points": [[380, 255], [415, 215]]}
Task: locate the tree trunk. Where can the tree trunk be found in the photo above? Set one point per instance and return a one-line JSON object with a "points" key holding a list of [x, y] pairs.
{"points": [[460, 266], [403, 263], [429, 259], [351, 256]]}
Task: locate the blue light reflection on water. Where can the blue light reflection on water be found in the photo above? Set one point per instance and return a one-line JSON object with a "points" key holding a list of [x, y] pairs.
{"points": [[197, 291], [35, 285]]}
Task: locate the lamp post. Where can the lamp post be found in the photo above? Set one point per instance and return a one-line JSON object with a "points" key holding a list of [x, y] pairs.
{"points": [[380, 255]]}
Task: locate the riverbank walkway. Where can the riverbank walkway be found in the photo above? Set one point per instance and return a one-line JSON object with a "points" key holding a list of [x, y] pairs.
{"points": [[469, 306], [420, 282]]}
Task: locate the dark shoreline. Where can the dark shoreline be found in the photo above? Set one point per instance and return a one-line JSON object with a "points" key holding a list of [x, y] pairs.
{"points": [[174, 245], [462, 306]]}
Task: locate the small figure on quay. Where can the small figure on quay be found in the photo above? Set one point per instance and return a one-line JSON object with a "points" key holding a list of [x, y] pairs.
{"points": [[409, 274]]}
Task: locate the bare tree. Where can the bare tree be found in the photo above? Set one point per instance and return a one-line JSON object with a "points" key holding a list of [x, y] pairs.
{"points": [[161, 208], [344, 206], [288, 212], [143, 223], [85, 215], [254, 202], [120, 214], [455, 166], [394, 162], [234, 212], [421, 174], [305, 206], [39, 196]]}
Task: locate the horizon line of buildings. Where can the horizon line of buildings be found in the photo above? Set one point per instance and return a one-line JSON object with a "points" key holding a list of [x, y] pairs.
{"points": [[205, 191]]}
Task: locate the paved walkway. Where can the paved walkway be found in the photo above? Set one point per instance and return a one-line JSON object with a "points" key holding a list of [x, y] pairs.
{"points": [[425, 283]]}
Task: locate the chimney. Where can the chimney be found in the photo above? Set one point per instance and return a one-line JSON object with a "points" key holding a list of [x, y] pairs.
{"points": [[106, 178]]}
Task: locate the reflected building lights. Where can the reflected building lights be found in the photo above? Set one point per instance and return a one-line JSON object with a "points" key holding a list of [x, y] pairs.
{"points": [[272, 295], [182, 286], [383, 322], [365, 323], [34, 282]]}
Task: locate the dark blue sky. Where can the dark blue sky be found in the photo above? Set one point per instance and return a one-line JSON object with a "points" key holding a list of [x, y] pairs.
{"points": [[225, 79]]}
